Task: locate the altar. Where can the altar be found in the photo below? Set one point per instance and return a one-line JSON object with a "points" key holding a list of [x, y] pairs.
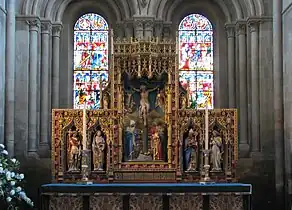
{"points": [[150, 196], [146, 144]]}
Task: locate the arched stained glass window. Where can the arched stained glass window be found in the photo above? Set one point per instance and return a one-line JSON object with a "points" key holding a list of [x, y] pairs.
{"points": [[90, 60], [196, 60]]}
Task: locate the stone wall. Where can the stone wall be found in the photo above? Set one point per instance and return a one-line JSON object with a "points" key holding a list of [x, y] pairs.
{"points": [[40, 67]]}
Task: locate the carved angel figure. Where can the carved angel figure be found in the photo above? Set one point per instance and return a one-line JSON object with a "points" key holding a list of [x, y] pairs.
{"points": [[98, 150], [160, 99], [216, 151], [74, 151]]}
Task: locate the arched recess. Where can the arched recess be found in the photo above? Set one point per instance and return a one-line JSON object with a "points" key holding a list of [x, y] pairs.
{"points": [[218, 20], [72, 13]]}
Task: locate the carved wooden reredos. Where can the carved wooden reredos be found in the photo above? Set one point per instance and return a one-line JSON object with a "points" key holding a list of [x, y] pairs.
{"points": [[144, 132]]}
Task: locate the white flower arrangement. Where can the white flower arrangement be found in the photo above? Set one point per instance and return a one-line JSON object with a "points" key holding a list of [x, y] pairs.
{"points": [[11, 191]]}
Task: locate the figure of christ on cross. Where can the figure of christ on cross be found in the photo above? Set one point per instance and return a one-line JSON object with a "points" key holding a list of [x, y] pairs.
{"points": [[144, 105]]}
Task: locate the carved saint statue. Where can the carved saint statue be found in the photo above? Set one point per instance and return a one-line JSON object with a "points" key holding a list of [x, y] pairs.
{"points": [[131, 137], [191, 151], [160, 99], [216, 142], [157, 146], [183, 102], [144, 102], [106, 101], [98, 150], [74, 150], [157, 138]]}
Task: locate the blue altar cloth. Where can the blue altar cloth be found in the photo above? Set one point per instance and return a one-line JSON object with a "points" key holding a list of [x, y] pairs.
{"points": [[238, 188]]}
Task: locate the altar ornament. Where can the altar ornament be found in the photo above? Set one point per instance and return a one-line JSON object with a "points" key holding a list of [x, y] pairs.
{"points": [[85, 151], [206, 152]]}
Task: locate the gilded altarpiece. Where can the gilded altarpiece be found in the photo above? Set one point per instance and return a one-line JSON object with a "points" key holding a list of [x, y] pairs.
{"points": [[144, 131]]}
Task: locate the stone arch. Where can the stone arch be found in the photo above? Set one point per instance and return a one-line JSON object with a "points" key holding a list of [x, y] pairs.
{"points": [[165, 8]]}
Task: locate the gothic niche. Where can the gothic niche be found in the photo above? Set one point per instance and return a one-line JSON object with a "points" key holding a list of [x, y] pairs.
{"points": [[98, 148], [73, 144], [145, 133], [217, 147], [192, 147]]}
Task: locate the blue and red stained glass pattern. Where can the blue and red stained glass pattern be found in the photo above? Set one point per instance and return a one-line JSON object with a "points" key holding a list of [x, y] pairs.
{"points": [[90, 60], [196, 59]]}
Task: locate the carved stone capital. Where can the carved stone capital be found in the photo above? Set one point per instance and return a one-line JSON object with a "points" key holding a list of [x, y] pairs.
{"points": [[148, 24], [138, 25], [253, 24], [230, 30], [46, 26], [128, 24], [240, 27], [56, 29], [34, 23]]}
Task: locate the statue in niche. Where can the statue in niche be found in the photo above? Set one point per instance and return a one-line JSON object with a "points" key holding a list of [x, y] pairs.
{"points": [[160, 99], [157, 141], [105, 101], [183, 102], [98, 150], [131, 141], [144, 105], [74, 150], [191, 150], [216, 151]]}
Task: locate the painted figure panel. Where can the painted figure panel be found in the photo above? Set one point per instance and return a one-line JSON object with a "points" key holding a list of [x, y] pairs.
{"points": [[196, 50], [145, 136]]}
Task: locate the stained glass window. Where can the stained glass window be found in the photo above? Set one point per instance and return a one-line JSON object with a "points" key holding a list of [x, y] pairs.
{"points": [[90, 60], [196, 60]]}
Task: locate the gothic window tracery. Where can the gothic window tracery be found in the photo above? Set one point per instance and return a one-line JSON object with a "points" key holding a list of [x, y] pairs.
{"points": [[196, 60], [91, 35]]}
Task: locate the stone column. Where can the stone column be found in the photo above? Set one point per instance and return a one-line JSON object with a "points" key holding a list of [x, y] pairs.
{"points": [[282, 164], [241, 35], [166, 30], [230, 29], [56, 30], [34, 24], [158, 27], [3, 56], [255, 105], [128, 25], [45, 73], [148, 29], [138, 29], [119, 30], [10, 77]]}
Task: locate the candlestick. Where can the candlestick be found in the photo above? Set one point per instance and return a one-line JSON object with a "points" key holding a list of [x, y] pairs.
{"points": [[112, 42], [206, 127], [84, 129], [169, 101]]}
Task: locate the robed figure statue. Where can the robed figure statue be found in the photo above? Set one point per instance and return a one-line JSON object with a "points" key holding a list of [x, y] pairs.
{"points": [[216, 151], [98, 150], [131, 141], [191, 151]]}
